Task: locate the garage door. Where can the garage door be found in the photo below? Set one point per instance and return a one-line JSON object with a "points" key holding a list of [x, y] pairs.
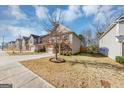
{"points": [[49, 50]]}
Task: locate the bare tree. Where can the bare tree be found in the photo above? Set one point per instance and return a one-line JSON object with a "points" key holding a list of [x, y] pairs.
{"points": [[82, 38], [3, 40], [88, 37], [13, 46], [101, 27], [20, 41], [52, 26]]}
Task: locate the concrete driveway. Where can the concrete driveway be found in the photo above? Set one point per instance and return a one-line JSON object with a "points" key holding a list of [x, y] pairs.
{"points": [[15, 74]]}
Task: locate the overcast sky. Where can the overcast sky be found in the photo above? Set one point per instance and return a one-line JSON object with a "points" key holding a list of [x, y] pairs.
{"points": [[27, 19]]}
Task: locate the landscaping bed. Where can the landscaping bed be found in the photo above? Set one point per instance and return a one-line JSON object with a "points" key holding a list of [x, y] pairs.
{"points": [[78, 71]]}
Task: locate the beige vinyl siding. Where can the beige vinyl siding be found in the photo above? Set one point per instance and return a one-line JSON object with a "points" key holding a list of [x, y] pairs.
{"points": [[109, 42], [76, 43], [121, 28]]}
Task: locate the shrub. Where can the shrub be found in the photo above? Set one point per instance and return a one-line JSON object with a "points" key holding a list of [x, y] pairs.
{"points": [[120, 59], [61, 53], [67, 53], [93, 49], [70, 53], [64, 52]]}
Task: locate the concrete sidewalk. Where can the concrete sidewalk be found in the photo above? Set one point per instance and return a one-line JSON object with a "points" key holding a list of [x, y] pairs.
{"points": [[12, 72]]}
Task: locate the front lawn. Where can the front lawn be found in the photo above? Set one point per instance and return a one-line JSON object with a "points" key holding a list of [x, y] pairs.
{"points": [[78, 71], [90, 58], [22, 53]]}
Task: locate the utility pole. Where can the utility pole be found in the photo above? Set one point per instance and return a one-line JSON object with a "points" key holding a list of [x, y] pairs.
{"points": [[3, 42]]}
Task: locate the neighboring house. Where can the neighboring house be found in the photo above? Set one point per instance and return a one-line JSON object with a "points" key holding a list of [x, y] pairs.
{"points": [[25, 45], [18, 44], [69, 40], [43, 43], [5, 45], [33, 41], [111, 42], [11, 45]]}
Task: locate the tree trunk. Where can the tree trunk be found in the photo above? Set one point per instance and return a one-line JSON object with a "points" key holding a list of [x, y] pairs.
{"points": [[59, 48], [20, 50], [56, 53]]}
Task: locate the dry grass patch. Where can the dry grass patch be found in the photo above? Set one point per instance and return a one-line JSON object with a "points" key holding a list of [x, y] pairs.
{"points": [[91, 59], [79, 74]]}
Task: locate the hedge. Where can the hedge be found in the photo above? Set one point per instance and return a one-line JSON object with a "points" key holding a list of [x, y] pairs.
{"points": [[120, 59], [66, 53]]}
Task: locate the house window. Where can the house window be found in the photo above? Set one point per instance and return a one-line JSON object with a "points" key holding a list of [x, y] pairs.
{"points": [[66, 37]]}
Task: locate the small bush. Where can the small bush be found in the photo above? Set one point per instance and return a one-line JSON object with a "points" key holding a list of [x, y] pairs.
{"points": [[93, 49], [61, 53], [64, 52], [120, 59], [70, 53], [67, 53]]}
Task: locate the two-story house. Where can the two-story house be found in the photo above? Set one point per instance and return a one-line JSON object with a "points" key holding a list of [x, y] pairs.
{"points": [[66, 40], [111, 42], [11, 45], [18, 43], [32, 42], [25, 45]]}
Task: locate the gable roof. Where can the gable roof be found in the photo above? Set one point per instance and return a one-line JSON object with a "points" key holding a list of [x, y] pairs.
{"points": [[60, 28], [119, 19], [12, 41], [18, 39], [44, 36], [34, 36], [25, 38]]}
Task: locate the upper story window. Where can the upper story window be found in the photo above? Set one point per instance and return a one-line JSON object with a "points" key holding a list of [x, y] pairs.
{"points": [[66, 37]]}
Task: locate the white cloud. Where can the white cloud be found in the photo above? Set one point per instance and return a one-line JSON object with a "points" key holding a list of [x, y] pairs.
{"points": [[69, 15], [57, 14], [16, 31], [106, 8], [41, 12], [72, 13], [16, 12], [90, 9], [102, 14], [100, 17], [44, 32]]}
